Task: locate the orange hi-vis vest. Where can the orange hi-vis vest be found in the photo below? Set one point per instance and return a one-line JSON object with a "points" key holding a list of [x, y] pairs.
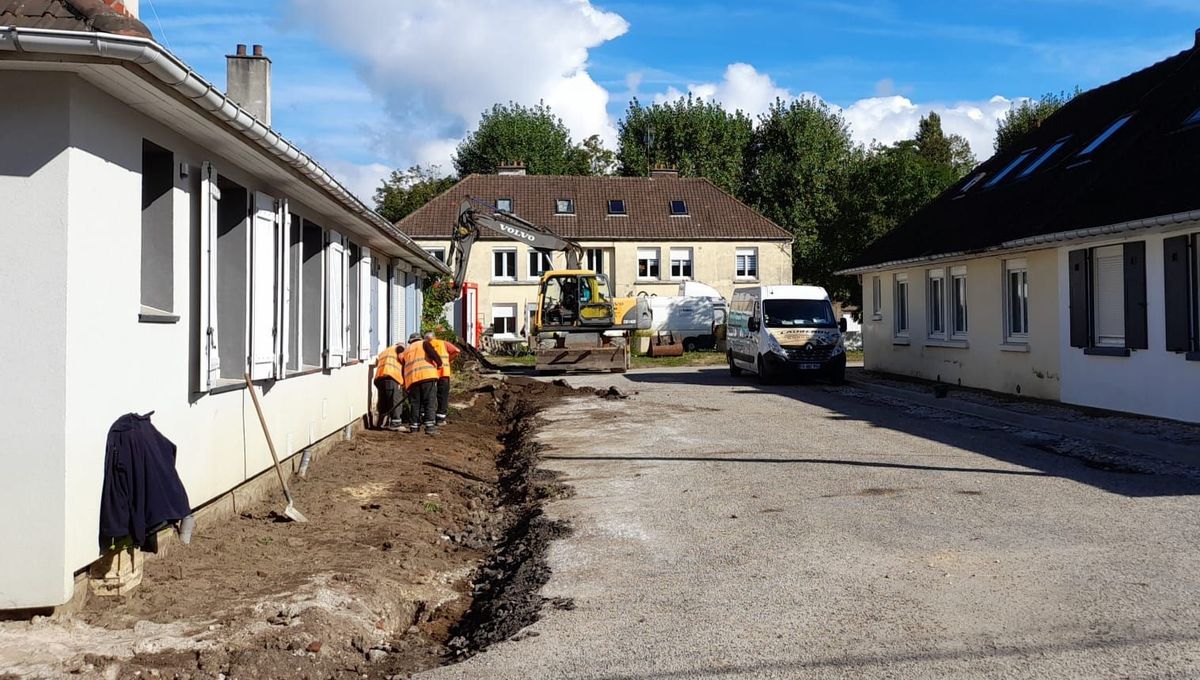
{"points": [[416, 367], [388, 364], [447, 351]]}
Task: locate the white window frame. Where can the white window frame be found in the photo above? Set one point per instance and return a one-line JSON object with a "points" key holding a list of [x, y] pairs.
{"points": [[903, 322], [680, 257], [511, 309], [1016, 333], [532, 258], [504, 264], [649, 255], [935, 309], [591, 256], [741, 264], [956, 294], [437, 251], [1108, 253], [876, 297]]}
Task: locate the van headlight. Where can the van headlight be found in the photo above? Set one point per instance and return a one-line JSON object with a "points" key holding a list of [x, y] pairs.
{"points": [[840, 347], [773, 345]]}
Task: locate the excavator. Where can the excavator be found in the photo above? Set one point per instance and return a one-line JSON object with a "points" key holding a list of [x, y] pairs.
{"points": [[578, 324]]}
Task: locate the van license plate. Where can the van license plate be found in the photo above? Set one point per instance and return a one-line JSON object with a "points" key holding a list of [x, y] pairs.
{"points": [[810, 367]]}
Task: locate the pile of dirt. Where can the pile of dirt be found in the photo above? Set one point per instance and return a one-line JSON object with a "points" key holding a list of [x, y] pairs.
{"points": [[419, 550]]}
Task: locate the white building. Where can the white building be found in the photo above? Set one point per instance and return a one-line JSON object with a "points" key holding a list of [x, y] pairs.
{"points": [[161, 241], [1063, 268]]}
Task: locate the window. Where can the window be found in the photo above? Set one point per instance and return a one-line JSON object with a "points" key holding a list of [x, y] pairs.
{"points": [[1044, 157], [973, 181], [504, 205], [439, 253], [876, 297], [594, 260], [564, 206], [158, 223], [746, 263], [901, 303], [679, 208], [354, 298], [1193, 119], [935, 301], [681, 263], [311, 296], [1112, 129], [1009, 168], [295, 263], [616, 206], [504, 264], [504, 319], [1016, 302], [539, 263], [1107, 298], [233, 249], [958, 302], [647, 263], [1181, 294]]}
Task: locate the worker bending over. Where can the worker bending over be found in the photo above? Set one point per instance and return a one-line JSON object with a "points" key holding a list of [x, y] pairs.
{"points": [[421, 370], [389, 380], [446, 352]]}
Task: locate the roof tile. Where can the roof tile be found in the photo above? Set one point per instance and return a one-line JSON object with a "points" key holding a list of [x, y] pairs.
{"points": [[100, 16]]}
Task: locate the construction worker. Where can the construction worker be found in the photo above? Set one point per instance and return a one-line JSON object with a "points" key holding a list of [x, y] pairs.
{"points": [[447, 352], [421, 369], [389, 380]]}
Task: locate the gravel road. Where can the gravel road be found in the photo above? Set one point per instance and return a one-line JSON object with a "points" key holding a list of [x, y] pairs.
{"points": [[728, 530]]}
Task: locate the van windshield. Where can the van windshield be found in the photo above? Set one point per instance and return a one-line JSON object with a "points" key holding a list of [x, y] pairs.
{"points": [[798, 314]]}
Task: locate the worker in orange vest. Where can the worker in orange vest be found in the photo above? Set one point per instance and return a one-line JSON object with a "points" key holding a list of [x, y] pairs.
{"points": [[422, 366], [389, 380], [447, 352]]}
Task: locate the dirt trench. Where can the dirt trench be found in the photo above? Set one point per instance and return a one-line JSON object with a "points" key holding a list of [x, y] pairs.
{"points": [[419, 551]]}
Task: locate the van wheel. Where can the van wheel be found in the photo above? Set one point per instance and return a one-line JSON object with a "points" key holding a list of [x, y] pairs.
{"points": [[689, 345], [733, 370], [763, 376], [837, 376]]}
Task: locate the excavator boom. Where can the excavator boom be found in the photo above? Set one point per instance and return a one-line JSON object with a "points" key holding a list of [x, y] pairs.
{"points": [[475, 215]]}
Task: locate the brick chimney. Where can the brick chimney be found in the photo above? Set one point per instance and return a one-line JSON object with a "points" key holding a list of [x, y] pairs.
{"points": [[248, 82], [662, 171], [511, 168], [131, 7]]}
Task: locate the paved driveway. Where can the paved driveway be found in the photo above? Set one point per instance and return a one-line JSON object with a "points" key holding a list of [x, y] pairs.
{"points": [[723, 530]]}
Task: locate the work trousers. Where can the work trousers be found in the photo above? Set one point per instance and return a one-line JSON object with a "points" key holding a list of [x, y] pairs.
{"points": [[391, 399], [423, 402], [443, 398]]}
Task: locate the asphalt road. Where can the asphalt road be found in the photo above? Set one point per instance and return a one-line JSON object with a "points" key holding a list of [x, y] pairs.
{"points": [[726, 530]]}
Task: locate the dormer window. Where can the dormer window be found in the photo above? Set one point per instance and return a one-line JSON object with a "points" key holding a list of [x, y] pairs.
{"points": [[1112, 129], [1009, 168], [504, 205], [678, 208], [616, 206], [564, 206]]}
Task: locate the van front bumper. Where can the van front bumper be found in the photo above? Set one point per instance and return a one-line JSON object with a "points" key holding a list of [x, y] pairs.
{"points": [[815, 360]]}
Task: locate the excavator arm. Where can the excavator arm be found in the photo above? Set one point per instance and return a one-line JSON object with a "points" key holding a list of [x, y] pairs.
{"points": [[474, 216]]}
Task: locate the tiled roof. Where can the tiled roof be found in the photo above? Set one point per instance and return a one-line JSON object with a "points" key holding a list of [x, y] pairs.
{"points": [[1145, 169], [101, 16], [712, 213]]}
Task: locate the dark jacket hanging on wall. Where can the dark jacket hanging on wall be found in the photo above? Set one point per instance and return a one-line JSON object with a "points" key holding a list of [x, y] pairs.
{"points": [[142, 491]]}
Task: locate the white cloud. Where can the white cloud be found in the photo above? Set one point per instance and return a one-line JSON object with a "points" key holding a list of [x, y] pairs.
{"points": [[437, 64], [743, 89]]}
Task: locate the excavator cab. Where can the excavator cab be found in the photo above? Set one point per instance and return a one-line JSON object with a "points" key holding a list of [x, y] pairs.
{"points": [[573, 299]]}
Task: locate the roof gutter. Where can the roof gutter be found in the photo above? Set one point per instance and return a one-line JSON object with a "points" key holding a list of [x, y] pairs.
{"points": [[1088, 233], [170, 71]]}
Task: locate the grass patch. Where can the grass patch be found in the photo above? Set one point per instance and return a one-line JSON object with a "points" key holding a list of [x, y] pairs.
{"points": [[854, 356]]}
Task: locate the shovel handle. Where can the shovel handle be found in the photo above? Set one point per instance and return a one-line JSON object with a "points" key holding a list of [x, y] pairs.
{"points": [[267, 432]]}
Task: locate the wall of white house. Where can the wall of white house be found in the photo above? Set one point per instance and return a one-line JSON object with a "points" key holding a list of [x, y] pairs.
{"points": [[986, 357], [72, 196], [1149, 381]]}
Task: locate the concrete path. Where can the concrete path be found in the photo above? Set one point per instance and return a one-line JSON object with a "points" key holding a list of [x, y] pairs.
{"points": [[726, 530]]}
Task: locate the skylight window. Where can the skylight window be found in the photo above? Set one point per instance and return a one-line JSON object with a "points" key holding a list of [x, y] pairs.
{"points": [[1044, 157], [616, 206], [974, 180], [1112, 129], [1009, 168], [504, 205], [564, 206], [678, 208], [1193, 119]]}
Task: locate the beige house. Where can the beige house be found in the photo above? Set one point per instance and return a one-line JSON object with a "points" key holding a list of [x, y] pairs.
{"points": [[648, 234]]}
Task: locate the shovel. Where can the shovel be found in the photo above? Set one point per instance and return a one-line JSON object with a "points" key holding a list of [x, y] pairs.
{"points": [[290, 511]]}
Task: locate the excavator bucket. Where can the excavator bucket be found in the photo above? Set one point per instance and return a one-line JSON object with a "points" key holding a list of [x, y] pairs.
{"points": [[581, 353], [665, 344]]}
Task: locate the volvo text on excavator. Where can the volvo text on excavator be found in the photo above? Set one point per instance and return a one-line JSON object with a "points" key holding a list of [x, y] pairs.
{"points": [[578, 324]]}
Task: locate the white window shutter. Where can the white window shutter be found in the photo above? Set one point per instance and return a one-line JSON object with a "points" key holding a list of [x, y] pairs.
{"points": [[283, 287], [209, 369], [365, 322], [336, 320], [263, 276], [398, 282]]}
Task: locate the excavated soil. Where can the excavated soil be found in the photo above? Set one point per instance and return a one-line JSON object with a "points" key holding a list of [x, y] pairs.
{"points": [[419, 550]]}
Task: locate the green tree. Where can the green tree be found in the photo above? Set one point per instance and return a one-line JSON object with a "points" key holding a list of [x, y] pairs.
{"points": [[437, 293], [532, 135], [406, 190], [600, 159], [698, 138], [1027, 116], [951, 153], [796, 173]]}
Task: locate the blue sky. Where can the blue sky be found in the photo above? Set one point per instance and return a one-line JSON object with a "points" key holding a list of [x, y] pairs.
{"points": [[371, 85]]}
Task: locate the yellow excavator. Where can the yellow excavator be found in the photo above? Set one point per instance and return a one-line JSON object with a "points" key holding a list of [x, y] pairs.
{"points": [[578, 324]]}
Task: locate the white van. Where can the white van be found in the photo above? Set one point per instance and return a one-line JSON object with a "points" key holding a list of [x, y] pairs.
{"points": [[693, 320], [781, 332]]}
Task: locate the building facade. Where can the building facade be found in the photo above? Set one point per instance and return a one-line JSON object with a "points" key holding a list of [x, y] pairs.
{"points": [[647, 234], [165, 242], [1063, 268]]}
